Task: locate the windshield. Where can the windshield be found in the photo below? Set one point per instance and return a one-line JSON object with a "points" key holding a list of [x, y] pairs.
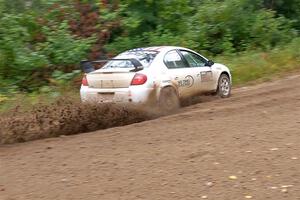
{"points": [[144, 56]]}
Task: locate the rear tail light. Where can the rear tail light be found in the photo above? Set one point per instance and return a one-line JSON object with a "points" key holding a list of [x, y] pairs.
{"points": [[84, 81], [139, 79]]}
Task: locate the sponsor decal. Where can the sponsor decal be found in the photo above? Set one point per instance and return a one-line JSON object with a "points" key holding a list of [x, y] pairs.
{"points": [[166, 81], [206, 76], [188, 81]]}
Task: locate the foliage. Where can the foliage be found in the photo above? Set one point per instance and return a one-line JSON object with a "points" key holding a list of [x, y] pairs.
{"points": [[62, 48], [18, 58], [287, 8], [253, 65], [214, 26], [42, 41], [30, 51]]}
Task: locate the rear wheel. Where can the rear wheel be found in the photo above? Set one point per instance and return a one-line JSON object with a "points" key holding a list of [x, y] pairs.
{"points": [[168, 100], [224, 86]]}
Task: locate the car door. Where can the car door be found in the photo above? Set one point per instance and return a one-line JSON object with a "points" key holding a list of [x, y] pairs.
{"points": [[180, 73], [203, 74]]}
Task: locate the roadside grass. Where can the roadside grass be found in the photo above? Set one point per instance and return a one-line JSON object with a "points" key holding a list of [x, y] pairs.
{"points": [[25, 101], [263, 66], [246, 67]]}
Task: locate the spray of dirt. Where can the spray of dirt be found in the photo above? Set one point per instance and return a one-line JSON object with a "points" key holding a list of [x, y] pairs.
{"points": [[67, 117]]}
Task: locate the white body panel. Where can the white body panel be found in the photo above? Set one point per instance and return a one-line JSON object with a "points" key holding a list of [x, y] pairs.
{"points": [[114, 84]]}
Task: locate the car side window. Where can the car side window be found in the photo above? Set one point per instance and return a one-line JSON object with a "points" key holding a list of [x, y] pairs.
{"points": [[194, 60], [173, 60]]}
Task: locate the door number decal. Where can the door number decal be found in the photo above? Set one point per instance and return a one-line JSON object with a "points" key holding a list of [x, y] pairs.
{"points": [[188, 81]]}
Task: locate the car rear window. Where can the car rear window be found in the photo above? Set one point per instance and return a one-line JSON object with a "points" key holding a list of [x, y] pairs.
{"points": [[144, 56]]}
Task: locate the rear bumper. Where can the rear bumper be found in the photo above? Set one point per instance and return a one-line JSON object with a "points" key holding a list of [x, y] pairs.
{"points": [[133, 94]]}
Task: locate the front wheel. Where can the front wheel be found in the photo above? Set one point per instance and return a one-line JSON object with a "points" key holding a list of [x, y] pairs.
{"points": [[224, 86], [168, 100]]}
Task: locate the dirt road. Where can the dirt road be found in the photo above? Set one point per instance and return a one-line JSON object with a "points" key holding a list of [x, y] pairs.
{"points": [[245, 147]]}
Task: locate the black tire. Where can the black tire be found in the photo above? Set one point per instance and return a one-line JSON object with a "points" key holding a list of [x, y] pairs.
{"points": [[224, 86], [168, 100]]}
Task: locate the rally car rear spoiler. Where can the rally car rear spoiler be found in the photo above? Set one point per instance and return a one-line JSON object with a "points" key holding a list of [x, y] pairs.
{"points": [[87, 65]]}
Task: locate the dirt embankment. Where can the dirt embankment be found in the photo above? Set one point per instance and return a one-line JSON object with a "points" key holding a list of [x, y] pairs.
{"points": [[245, 147]]}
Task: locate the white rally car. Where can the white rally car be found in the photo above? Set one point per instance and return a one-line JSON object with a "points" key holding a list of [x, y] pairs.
{"points": [[161, 75]]}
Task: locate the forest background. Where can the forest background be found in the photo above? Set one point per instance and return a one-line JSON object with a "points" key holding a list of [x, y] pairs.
{"points": [[43, 41]]}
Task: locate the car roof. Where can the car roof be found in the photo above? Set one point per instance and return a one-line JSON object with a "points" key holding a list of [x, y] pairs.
{"points": [[156, 48]]}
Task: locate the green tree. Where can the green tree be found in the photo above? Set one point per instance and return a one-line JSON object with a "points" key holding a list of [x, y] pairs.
{"points": [[151, 22], [33, 47], [236, 25], [287, 8]]}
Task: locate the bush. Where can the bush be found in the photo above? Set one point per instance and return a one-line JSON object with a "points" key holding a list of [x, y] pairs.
{"points": [[27, 63], [39, 37], [18, 57], [236, 25], [253, 65]]}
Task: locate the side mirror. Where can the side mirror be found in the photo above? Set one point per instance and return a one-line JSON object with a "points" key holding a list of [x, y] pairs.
{"points": [[210, 63]]}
